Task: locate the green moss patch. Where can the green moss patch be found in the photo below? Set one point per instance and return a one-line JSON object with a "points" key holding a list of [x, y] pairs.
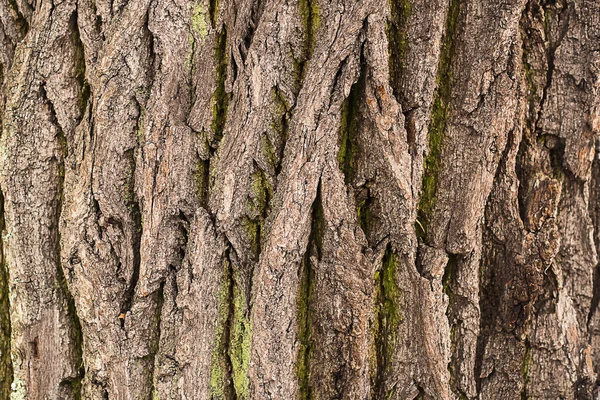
{"points": [[388, 316]]}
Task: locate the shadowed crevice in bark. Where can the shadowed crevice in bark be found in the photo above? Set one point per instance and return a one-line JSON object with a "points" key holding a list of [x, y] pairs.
{"points": [[160, 301], [151, 61], [220, 374], [488, 296], [305, 295], [439, 115], [595, 215], [133, 205], [350, 121], [231, 356], [540, 157], [387, 317], [397, 42], [220, 96], [350, 160], [79, 66], [203, 182], [397, 35], [525, 369], [73, 383], [220, 101], [6, 368], [455, 302], [244, 45], [596, 292], [213, 11], [240, 337], [258, 207], [437, 126], [309, 12], [19, 19], [280, 124]]}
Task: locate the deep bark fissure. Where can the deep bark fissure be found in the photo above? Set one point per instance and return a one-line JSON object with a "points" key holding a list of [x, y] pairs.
{"points": [[281, 126], [386, 319], [397, 42], [20, 20], [6, 367], [525, 369], [231, 356], [133, 205], [309, 12], [531, 120], [221, 97], [349, 125], [433, 164], [74, 383], [221, 380], [155, 346], [305, 295], [213, 12], [260, 204], [79, 66], [455, 303], [437, 125], [595, 215], [487, 305]]}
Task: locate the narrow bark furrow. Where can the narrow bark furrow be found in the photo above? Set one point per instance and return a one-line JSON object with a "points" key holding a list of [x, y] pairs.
{"points": [[339, 363], [220, 96], [593, 320], [221, 382], [415, 40], [386, 319], [6, 368], [72, 383], [438, 120], [309, 13], [356, 132], [231, 354], [500, 279], [305, 301], [20, 21]]}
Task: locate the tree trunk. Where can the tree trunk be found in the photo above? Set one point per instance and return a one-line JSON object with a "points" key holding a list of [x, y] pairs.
{"points": [[265, 199]]}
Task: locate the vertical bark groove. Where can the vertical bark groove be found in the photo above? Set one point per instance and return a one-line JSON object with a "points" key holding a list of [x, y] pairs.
{"points": [[6, 368], [439, 112]]}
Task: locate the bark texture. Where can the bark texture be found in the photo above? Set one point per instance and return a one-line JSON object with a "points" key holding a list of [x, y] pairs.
{"points": [[308, 199]]}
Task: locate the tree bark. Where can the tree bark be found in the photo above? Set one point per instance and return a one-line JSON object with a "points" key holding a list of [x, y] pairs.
{"points": [[344, 199]]}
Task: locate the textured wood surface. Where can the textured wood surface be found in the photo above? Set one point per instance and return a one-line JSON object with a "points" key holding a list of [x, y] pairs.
{"points": [[273, 199]]}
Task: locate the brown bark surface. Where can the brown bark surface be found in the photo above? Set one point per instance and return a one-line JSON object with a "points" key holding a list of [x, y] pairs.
{"points": [[273, 199]]}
